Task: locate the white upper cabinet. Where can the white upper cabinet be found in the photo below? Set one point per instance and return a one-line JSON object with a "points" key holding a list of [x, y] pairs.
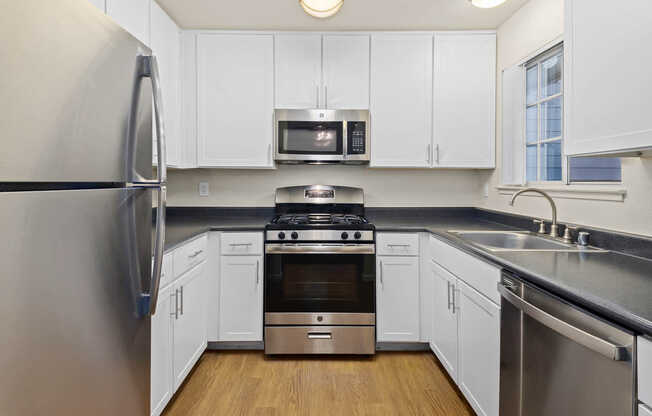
{"points": [[607, 74], [132, 15], [401, 100], [334, 76], [346, 72], [464, 100], [165, 44], [235, 96], [298, 71]]}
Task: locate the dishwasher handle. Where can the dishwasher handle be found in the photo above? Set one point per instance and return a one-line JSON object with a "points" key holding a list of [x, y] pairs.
{"points": [[597, 344]]}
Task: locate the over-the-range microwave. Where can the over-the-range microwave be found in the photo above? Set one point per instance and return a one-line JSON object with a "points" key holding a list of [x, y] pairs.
{"points": [[321, 136]]}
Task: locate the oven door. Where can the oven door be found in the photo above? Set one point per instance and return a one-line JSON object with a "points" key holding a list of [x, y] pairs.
{"points": [[322, 284]]}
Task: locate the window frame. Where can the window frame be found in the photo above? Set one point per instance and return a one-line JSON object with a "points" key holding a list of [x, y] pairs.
{"points": [[537, 60]]}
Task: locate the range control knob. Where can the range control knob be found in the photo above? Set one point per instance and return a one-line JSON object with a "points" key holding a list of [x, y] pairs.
{"points": [[345, 235], [294, 235], [281, 235], [357, 235]]}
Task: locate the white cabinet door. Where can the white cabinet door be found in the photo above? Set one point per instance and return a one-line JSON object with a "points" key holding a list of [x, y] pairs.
{"points": [[479, 349], [607, 67], [397, 299], [235, 100], [132, 15], [444, 329], [241, 298], [161, 386], [298, 71], [346, 71], [401, 100], [464, 100], [165, 44], [644, 346], [190, 324], [100, 4]]}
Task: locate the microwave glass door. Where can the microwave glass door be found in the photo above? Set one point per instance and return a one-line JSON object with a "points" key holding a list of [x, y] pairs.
{"points": [[320, 283], [311, 137]]}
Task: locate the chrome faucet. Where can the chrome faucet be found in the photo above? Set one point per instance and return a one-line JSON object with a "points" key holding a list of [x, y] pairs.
{"points": [[554, 227]]}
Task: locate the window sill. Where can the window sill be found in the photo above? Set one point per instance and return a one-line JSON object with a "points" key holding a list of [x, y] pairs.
{"points": [[614, 193]]}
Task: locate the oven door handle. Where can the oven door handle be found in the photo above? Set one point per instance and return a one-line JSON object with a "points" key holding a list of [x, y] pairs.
{"points": [[590, 341], [320, 249]]}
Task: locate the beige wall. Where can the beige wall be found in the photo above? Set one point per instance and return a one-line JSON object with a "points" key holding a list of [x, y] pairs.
{"points": [[383, 187], [534, 26]]}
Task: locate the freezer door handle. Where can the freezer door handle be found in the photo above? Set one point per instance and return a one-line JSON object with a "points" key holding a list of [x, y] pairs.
{"points": [[590, 341]]}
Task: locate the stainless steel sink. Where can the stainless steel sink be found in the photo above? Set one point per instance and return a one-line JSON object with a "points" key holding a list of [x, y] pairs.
{"points": [[517, 241]]}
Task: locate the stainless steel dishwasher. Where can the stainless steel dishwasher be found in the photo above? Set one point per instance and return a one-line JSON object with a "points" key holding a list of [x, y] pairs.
{"points": [[558, 360]]}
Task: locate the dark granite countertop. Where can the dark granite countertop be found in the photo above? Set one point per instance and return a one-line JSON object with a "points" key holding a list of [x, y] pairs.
{"points": [[614, 285]]}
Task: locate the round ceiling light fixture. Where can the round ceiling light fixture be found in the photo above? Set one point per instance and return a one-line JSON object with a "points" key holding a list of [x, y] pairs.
{"points": [[321, 8], [487, 4]]}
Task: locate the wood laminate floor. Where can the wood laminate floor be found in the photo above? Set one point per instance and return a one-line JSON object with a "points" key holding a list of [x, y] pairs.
{"points": [[248, 383]]}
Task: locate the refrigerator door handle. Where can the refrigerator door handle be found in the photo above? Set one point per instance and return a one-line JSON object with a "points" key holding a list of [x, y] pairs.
{"points": [[159, 243], [148, 68]]}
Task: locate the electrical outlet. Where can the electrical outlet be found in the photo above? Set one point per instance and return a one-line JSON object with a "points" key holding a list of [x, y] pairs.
{"points": [[203, 189]]}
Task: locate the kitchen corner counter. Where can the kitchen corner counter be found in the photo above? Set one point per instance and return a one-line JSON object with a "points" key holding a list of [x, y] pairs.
{"points": [[613, 285]]}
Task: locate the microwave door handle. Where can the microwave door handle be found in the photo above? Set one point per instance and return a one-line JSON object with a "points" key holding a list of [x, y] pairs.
{"points": [[590, 341]]}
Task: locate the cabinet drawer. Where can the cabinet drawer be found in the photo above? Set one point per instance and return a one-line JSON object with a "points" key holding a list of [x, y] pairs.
{"points": [[478, 274], [189, 255], [645, 370], [397, 244], [241, 244], [167, 270]]}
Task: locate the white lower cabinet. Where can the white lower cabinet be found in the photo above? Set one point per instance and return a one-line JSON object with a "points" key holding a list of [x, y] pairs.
{"points": [[444, 330], [478, 332], [397, 299], [241, 298], [189, 331], [161, 353], [466, 329], [644, 370], [178, 329]]}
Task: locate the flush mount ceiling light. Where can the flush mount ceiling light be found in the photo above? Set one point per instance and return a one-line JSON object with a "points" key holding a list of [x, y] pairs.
{"points": [[487, 4], [321, 8]]}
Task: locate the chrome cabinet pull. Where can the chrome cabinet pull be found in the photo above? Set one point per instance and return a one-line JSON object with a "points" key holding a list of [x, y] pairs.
{"points": [[398, 245], [453, 301], [269, 153], [317, 89], [325, 96], [195, 254], [448, 292], [239, 244], [428, 153], [257, 274], [182, 300], [437, 153], [590, 341]]}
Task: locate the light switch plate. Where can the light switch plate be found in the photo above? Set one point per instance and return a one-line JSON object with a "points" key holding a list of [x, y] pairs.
{"points": [[204, 190]]}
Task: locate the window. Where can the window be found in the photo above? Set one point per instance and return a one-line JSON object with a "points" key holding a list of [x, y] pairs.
{"points": [[544, 100]]}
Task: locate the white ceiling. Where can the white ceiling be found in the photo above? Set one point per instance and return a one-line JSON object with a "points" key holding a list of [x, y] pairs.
{"points": [[354, 15]]}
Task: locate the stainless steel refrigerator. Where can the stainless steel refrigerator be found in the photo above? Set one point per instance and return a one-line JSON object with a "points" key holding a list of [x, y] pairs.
{"points": [[77, 187]]}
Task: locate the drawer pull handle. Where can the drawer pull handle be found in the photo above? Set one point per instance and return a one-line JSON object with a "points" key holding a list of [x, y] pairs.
{"points": [[320, 335], [195, 254], [398, 245], [240, 244]]}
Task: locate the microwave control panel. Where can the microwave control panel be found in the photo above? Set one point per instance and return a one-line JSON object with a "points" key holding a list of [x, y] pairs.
{"points": [[356, 137]]}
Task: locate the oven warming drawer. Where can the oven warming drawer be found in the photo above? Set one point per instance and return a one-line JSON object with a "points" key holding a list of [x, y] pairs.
{"points": [[320, 340]]}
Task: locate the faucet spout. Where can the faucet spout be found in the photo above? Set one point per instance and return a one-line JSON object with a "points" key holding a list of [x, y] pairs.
{"points": [[554, 227]]}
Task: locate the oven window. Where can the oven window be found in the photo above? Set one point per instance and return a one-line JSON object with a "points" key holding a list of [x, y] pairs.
{"points": [[320, 283], [304, 137]]}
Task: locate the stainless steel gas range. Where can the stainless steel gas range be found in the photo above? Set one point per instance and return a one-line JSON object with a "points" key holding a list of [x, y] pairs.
{"points": [[320, 273]]}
